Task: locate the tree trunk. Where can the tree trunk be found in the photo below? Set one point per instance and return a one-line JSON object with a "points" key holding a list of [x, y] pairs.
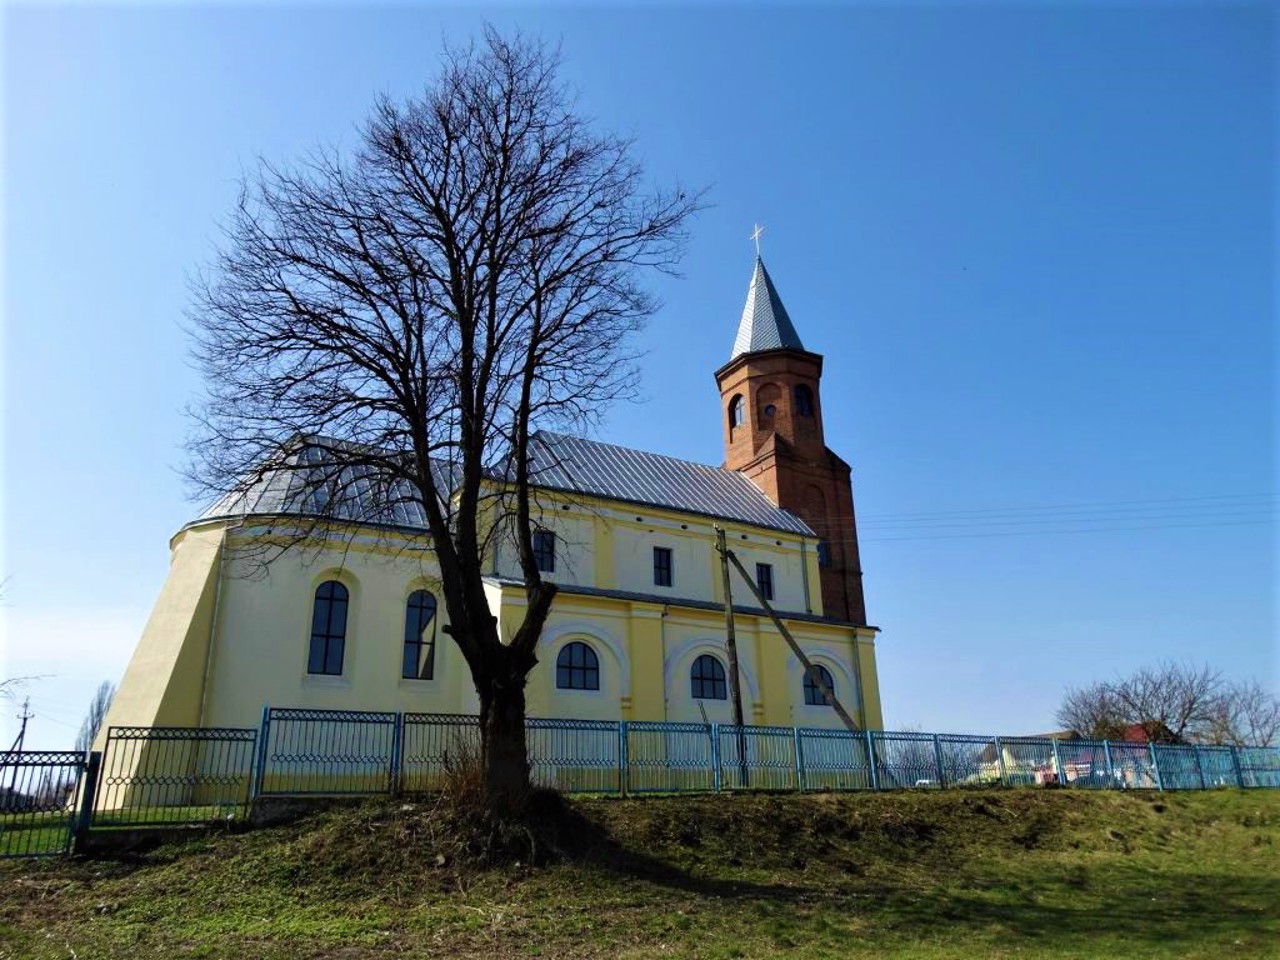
{"points": [[503, 752]]}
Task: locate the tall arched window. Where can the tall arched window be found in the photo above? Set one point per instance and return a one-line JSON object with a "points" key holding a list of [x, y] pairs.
{"points": [[813, 694], [328, 629], [804, 400], [577, 667], [419, 662], [736, 410], [706, 679]]}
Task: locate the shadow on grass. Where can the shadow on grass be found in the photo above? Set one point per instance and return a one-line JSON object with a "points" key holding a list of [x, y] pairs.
{"points": [[1089, 901]]}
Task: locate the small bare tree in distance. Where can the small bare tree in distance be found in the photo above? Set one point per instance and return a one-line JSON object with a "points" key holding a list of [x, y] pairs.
{"points": [[1249, 716], [95, 716], [415, 312]]}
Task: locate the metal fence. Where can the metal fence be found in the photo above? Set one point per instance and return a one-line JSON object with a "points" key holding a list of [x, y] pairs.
{"points": [[159, 776], [174, 775], [328, 752], [343, 752], [38, 802]]}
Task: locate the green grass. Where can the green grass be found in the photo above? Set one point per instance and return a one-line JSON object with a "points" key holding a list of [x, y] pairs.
{"points": [[34, 833], [982, 874]]}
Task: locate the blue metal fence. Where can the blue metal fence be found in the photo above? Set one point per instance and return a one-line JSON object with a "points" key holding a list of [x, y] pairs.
{"points": [[342, 752], [328, 752], [172, 775], [38, 802], [432, 745], [159, 776]]}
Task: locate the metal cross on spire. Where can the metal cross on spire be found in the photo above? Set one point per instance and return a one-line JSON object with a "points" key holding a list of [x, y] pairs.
{"points": [[755, 235]]}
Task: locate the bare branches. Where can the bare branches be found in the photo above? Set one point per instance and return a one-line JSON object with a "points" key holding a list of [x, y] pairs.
{"points": [[1094, 711], [383, 333], [1249, 716], [1174, 703], [95, 716]]}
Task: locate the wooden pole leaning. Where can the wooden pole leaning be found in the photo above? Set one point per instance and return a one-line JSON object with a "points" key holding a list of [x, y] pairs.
{"points": [[809, 669], [735, 684]]}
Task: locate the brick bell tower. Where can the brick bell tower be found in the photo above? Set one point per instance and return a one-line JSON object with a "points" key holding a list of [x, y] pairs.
{"points": [[772, 410]]}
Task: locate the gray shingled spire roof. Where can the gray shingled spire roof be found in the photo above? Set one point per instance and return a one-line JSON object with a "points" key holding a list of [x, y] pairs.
{"points": [[765, 324]]}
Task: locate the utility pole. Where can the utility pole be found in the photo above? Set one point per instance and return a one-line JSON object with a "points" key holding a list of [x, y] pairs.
{"points": [[734, 684], [16, 749], [731, 557]]}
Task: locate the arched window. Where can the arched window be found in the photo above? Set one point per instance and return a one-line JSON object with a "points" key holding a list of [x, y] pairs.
{"points": [[328, 629], [813, 694], [804, 400], [419, 661], [736, 410], [577, 667], [707, 679]]}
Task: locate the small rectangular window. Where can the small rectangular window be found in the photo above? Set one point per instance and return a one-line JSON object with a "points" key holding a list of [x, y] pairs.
{"points": [[764, 579], [662, 566], [824, 554], [544, 550]]}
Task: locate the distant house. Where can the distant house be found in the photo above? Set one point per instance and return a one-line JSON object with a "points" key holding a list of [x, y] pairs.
{"points": [[1150, 733]]}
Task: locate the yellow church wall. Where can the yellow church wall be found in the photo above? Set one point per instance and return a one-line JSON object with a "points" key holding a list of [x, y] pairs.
{"points": [[645, 646], [874, 717], [262, 641], [646, 651], [164, 681], [574, 529]]}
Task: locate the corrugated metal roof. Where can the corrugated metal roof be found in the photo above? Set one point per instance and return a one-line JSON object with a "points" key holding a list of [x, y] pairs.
{"points": [[308, 481], [765, 324], [578, 465]]}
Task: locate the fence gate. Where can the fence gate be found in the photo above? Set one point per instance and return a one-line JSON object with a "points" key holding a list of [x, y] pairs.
{"points": [[38, 802]]}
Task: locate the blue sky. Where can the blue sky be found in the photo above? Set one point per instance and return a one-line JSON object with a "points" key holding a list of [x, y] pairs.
{"points": [[1036, 244]]}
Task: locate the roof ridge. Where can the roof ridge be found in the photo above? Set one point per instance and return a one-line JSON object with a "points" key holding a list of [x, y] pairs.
{"points": [[647, 453]]}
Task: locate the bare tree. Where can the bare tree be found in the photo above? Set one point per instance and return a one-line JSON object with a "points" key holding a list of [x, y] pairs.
{"points": [[1172, 702], [1248, 716], [408, 316], [1094, 711], [95, 716]]}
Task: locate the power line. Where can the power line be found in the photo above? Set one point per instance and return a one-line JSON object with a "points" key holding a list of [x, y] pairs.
{"points": [[1206, 502], [1046, 533], [1035, 521]]}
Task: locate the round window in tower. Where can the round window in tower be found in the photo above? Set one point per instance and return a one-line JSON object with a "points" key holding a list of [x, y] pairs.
{"points": [[770, 410]]}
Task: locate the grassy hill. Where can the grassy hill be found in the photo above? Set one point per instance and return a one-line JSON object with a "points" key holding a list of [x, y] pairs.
{"points": [[921, 875]]}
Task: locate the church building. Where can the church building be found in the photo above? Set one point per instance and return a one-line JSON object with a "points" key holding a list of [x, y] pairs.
{"points": [[637, 630]]}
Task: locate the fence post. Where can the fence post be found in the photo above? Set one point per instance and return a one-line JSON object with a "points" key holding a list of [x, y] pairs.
{"points": [[1058, 770], [715, 754], [937, 760], [1106, 753], [88, 797], [1200, 768], [1235, 765], [624, 761], [397, 754], [795, 734], [260, 767], [1000, 763], [1155, 767], [871, 761]]}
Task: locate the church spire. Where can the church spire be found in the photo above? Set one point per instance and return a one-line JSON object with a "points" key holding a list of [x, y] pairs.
{"points": [[765, 324]]}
